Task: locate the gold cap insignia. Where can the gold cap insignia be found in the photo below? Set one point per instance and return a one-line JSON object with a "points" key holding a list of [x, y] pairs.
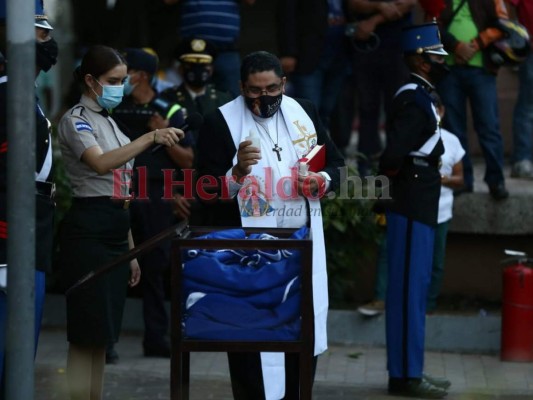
{"points": [[198, 45]]}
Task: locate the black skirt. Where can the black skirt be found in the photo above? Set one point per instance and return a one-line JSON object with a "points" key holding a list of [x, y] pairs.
{"points": [[93, 234]]}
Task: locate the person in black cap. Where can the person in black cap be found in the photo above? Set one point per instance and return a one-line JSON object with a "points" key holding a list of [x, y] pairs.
{"points": [[411, 162], [196, 93], [46, 56], [141, 110]]}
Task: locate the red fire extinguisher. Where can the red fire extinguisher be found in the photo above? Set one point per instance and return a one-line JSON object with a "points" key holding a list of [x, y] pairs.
{"points": [[517, 308]]}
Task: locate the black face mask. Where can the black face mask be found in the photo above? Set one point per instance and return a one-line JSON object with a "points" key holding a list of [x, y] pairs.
{"points": [[438, 71], [196, 75], [46, 54], [264, 106]]}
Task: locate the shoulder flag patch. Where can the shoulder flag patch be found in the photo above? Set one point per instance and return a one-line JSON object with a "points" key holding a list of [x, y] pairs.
{"points": [[83, 126]]}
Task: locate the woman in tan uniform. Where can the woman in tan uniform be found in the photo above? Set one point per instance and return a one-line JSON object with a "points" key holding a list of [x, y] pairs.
{"points": [[96, 228]]}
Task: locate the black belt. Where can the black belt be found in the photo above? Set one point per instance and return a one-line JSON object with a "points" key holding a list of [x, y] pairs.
{"points": [[47, 189], [424, 161], [105, 200]]}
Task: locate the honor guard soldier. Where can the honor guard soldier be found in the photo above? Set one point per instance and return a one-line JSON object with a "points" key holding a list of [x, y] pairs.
{"points": [[411, 161], [141, 110], [46, 56]]}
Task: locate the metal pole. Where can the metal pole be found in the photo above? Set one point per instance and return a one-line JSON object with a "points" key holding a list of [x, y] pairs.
{"points": [[20, 200]]}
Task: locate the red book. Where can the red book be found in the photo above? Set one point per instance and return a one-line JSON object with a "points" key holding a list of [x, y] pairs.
{"points": [[315, 159]]}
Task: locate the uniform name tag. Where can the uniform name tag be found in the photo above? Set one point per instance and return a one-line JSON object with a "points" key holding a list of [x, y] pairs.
{"points": [[83, 126], [420, 162]]}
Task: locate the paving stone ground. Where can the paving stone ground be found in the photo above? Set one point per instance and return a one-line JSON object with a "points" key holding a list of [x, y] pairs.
{"points": [[354, 373]]}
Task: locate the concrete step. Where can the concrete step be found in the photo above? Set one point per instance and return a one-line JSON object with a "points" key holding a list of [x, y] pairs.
{"points": [[457, 333], [479, 213], [466, 333]]}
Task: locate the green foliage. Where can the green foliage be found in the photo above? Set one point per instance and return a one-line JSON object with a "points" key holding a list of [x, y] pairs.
{"points": [[350, 232]]}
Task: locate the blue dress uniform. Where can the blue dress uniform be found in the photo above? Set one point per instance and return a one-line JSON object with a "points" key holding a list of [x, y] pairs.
{"points": [[411, 161], [44, 217], [150, 217], [46, 56]]}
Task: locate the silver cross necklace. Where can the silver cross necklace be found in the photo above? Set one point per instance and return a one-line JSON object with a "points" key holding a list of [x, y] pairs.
{"points": [[276, 149]]}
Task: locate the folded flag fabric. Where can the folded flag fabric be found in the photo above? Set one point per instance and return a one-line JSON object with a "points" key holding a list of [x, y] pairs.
{"points": [[242, 294]]}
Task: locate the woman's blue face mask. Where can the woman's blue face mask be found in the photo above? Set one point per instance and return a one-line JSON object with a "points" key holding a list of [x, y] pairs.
{"points": [[111, 95]]}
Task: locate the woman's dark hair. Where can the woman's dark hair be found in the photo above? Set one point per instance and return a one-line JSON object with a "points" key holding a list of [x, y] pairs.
{"points": [[97, 61], [260, 61]]}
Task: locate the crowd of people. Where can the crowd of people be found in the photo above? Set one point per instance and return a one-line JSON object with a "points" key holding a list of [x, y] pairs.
{"points": [[126, 136]]}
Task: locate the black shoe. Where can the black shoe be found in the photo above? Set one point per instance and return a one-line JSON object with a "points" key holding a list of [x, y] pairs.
{"points": [[498, 191], [111, 355], [418, 388], [439, 382], [161, 352]]}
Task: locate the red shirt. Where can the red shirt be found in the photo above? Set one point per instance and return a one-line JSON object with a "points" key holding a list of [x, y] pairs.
{"points": [[524, 10]]}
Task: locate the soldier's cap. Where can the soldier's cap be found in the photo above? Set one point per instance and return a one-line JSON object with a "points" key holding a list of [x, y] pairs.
{"points": [[41, 20], [196, 50], [144, 59], [420, 39]]}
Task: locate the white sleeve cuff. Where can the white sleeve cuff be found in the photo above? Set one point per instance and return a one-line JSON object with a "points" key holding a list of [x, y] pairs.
{"points": [[327, 179]]}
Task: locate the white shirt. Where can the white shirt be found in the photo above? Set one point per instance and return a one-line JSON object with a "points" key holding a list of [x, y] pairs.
{"points": [[453, 153]]}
